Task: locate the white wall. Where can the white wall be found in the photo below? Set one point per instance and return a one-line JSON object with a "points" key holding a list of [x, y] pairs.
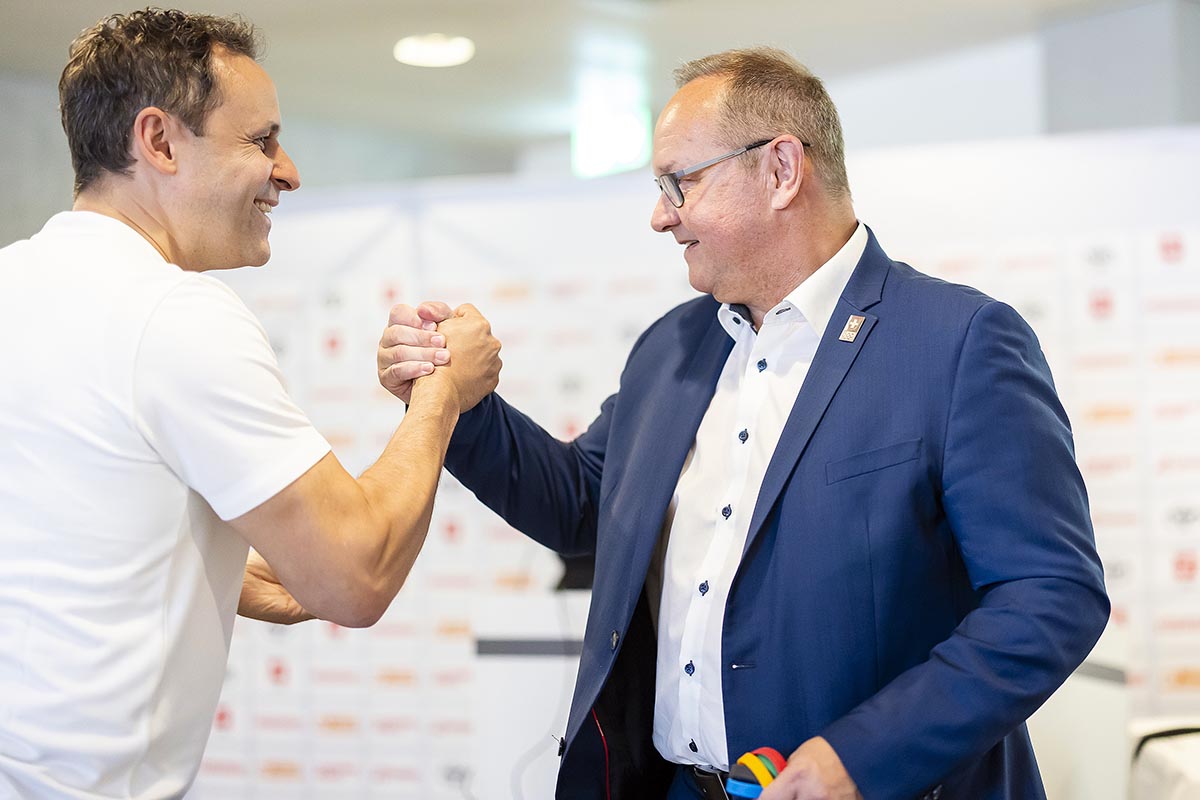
{"points": [[989, 92], [35, 169]]}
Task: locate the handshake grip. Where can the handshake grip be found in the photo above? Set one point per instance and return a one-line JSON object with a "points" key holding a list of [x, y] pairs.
{"points": [[754, 771]]}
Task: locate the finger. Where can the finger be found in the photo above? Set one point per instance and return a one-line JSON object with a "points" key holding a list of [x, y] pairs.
{"points": [[406, 371], [402, 353], [406, 334], [434, 311], [402, 314], [466, 309]]}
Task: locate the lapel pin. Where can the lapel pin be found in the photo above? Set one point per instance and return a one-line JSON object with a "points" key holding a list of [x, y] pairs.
{"points": [[852, 326]]}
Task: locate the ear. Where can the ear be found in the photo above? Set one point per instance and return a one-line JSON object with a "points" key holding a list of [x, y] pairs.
{"points": [[155, 140], [786, 158]]}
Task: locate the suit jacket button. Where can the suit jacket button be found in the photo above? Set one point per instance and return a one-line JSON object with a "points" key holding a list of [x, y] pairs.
{"points": [[936, 793], [616, 637]]}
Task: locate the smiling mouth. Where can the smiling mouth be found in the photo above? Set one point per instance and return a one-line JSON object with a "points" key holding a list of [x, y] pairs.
{"points": [[263, 206]]}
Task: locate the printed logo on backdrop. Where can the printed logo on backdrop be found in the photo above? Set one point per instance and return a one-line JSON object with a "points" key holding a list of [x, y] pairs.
{"points": [[1170, 248], [1100, 304], [1184, 518]]}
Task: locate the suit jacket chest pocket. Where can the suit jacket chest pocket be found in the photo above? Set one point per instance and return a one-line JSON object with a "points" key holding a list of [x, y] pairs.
{"points": [[872, 461]]}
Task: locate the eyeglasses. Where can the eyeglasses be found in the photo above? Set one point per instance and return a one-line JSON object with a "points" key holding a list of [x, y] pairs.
{"points": [[669, 182]]}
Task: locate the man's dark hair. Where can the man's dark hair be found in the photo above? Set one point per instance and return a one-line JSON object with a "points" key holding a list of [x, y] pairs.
{"points": [[127, 62]]}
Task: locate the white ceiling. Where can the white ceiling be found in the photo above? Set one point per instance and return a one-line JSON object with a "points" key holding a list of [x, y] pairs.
{"points": [[332, 60]]}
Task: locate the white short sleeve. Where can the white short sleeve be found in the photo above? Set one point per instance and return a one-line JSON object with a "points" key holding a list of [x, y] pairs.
{"points": [[209, 398]]}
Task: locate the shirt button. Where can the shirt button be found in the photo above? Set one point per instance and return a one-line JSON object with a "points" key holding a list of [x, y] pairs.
{"points": [[743, 436], [692, 746], [727, 511], [616, 637], [704, 588], [762, 364], [690, 669]]}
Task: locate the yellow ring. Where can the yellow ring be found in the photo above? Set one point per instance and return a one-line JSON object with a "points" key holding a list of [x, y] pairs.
{"points": [[751, 762]]}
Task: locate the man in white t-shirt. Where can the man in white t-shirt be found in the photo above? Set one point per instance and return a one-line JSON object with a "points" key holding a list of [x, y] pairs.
{"points": [[138, 471]]}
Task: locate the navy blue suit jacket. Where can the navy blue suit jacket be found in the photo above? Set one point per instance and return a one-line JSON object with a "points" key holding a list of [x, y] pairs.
{"points": [[920, 572]]}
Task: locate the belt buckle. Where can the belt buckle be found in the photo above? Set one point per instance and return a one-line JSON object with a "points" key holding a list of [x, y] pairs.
{"points": [[711, 784]]}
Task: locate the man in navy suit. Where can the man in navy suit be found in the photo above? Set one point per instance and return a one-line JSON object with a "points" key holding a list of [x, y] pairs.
{"points": [[834, 503]]}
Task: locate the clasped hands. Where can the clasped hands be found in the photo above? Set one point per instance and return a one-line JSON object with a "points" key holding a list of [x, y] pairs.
{"points": [[419, 340]]}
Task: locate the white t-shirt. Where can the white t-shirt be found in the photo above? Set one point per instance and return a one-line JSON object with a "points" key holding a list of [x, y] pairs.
{"points": [[140, 406]]}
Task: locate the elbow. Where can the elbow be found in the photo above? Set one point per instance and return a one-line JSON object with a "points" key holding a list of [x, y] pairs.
{"points": [[371, 579], [1102, 608], [368, 598], [363, 618], [361, 607], [1085, 609]]}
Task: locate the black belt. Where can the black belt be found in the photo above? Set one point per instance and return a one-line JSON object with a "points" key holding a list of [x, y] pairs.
{"points": [[711, 784]]}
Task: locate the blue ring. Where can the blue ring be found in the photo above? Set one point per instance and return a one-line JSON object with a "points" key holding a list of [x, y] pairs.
{"points": [[738, 788]]}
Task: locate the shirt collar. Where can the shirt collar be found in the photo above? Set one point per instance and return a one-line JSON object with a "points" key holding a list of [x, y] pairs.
{"points": [[816, 297]]}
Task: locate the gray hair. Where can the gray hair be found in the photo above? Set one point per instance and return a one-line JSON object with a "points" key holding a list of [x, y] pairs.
{"points": [[769, 93]]}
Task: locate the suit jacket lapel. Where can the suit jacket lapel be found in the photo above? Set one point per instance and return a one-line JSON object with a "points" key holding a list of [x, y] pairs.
{"points": [[832, 361]]}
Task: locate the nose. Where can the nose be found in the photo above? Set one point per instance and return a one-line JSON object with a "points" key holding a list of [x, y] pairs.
{"points": [[664, 216], [285, 176]]}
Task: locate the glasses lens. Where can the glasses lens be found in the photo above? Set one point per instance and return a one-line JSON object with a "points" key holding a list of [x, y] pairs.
{"points": [[670, 187]]}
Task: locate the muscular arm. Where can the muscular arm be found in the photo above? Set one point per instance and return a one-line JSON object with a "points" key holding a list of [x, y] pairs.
{"points": [[343, 547]]}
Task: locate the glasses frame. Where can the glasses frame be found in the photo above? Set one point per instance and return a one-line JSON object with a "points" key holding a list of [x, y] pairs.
{"points": [[668, 182]]}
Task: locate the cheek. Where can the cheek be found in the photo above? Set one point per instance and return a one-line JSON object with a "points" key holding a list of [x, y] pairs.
{"points": [[254, 170]]}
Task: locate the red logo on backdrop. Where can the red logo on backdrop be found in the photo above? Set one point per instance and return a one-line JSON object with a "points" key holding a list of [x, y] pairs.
{"points": [[391, 294], [570, 429], [334, 630], [1171, 248], [1185, 567], [224, 719], [333, 343], [278, 672], [1101, 304], [452, 530]]}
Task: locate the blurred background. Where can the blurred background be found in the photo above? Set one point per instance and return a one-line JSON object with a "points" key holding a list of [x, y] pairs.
{"points": [[1046, 151], [902, 73]]}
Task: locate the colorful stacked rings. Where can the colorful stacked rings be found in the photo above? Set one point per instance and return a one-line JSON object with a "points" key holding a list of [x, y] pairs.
{"points": [[753, 771]]}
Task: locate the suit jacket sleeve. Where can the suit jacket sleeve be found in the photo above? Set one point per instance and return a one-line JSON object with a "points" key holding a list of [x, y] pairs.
{"points": [[1015, 501], [543, 487]]}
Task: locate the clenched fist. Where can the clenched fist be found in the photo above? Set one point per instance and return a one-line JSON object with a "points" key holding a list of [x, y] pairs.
{"points": [[456, 347]]}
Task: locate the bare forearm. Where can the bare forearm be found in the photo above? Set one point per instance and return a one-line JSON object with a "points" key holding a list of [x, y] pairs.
{"points": [[344, 547], [400, 486]]}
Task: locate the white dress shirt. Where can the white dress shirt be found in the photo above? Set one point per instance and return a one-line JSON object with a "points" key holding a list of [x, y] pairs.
{"points": [[707, 522]]}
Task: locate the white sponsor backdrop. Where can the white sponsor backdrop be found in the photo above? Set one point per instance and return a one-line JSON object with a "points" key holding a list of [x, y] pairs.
{"points": [[1096, 240]]}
